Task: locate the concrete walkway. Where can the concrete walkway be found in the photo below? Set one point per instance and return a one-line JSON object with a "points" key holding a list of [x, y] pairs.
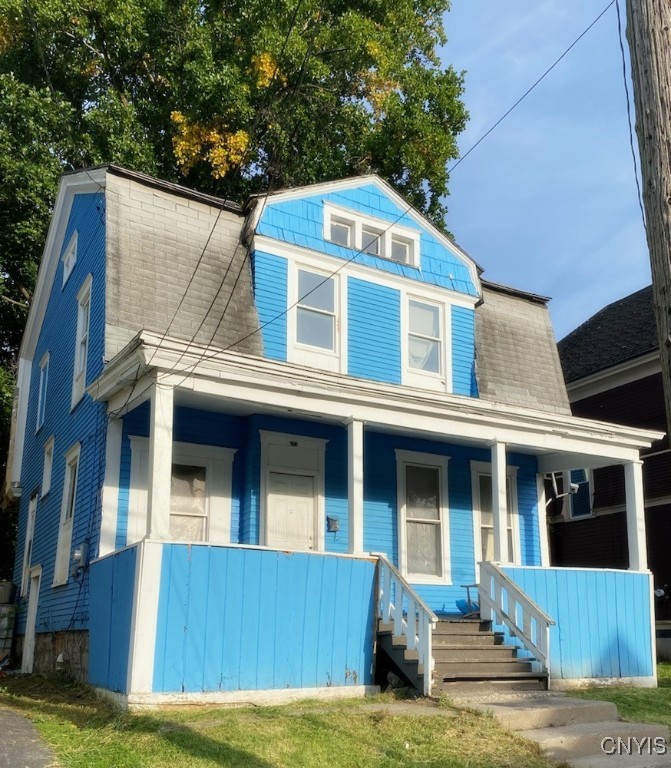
{"points": [[20, 744], [579, 732]]}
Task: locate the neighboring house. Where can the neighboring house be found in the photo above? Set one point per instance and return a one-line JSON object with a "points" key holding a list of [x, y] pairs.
{"points": [[612, 372], [246, 440]]}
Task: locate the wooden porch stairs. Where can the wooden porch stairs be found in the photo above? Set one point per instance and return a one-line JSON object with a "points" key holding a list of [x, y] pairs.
{"points": [[467, 655]]}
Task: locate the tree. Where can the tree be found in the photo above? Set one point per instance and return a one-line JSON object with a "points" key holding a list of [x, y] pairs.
{"points": [[227, 96], [647, 29]]}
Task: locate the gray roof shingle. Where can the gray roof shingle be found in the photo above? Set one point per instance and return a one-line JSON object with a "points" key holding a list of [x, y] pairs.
{"points": [[619, 332]]}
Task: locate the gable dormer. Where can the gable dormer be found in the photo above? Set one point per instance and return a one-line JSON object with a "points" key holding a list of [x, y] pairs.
{"points": [[350, 278]]}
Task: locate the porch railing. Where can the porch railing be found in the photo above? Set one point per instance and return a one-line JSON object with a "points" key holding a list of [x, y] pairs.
{"points": [[412, 619], [503, 602]]}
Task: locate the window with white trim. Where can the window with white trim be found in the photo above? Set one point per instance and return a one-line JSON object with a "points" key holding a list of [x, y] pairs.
{"points": [[42, 392], [69, 257], [47, 466], [483, 513], [28, 546], [378, 237], [68, 507], [423, 522], [425, 337], [81, 341], [316, 310]]}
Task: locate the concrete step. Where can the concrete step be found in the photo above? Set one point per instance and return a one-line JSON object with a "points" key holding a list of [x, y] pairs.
{"points": [[550, 711], [450, 669], [569, 742], [625, 761], [467, 689], [479, 640], [468, 653]]}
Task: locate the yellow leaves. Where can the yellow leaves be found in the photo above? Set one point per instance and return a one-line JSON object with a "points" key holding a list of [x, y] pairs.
{"points": [[266, 69], [212, 144], [377, 90]]}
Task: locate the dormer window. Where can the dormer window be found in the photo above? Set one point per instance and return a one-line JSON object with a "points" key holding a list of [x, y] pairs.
{"points": [[384, 239]]}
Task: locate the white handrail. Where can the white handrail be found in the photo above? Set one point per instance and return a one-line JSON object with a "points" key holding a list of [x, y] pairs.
{"points": [[412, 619], [503, 602]]}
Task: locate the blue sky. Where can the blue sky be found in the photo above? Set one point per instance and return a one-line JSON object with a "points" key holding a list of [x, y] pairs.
{"points": [[548, 202]]}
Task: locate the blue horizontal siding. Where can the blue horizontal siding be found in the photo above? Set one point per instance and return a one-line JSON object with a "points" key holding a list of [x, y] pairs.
{"points": [[463, 352], [66, 607], [301, 222], [603, 623], [269, 274], [112, 587], [244, 619], [374, 331]]}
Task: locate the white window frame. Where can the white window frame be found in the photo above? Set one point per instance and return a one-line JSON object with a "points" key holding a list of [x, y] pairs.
{"points": [[442, 381], [69, 257], [68, 511], [42, 391], [82, 340], [304, 354], [28, 544], [434, 461], [47, 467], [218, 463], [388, 231], [276, 456], [484, 469]]}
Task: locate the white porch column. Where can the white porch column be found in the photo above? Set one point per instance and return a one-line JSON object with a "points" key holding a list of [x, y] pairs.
{"points": [[160, 462], [633, 479], [110, 493], [542, 521], [500, 503], [355, 484]]}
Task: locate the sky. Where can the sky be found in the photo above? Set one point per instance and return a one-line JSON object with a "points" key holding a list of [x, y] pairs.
{"points": [[548, 202]]}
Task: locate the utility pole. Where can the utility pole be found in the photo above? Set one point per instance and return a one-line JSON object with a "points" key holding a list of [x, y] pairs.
{"points": [[649, 35]]}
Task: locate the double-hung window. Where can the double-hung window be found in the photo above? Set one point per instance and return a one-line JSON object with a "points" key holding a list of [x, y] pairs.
{"points": [[47, 466], [316, 311], [42, 391], [68, 505], [69, 258], [425, 337], [81, 341], [483, 513], [28, 547], [423, 516]]}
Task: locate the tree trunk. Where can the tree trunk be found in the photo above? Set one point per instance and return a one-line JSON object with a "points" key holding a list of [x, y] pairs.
{"points": [[648, 32]]}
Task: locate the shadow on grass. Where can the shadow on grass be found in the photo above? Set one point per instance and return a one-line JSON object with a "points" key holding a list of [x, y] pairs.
{"points": [[60, 700]]}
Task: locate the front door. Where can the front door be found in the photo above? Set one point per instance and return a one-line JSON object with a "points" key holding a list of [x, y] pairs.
{"points": [[31, 620], [291, 511]]}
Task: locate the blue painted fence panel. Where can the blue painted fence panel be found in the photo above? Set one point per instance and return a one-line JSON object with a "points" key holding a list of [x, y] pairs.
{"points": [[112, 585], [603, 624], [253, 619]]}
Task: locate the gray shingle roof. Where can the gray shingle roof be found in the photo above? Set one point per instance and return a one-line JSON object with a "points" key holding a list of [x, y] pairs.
{"points": [[517, 360], [619, 332]]}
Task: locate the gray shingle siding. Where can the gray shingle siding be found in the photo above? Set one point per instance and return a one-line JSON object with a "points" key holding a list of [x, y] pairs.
{"points": [[517, 359], [153, 232]]}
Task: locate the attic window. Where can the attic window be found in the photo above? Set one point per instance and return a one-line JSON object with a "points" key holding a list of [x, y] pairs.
{"points": [[69, 257], [376, 237]]}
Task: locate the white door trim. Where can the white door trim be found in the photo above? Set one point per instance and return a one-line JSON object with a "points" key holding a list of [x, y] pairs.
{"points": [[309, 460], [28, 656]]}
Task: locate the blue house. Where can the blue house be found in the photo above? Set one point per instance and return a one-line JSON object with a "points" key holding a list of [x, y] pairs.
{"points": [[260, 450]]}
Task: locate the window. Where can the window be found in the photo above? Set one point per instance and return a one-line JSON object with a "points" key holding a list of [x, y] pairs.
{"points": [[42, 392], [424, 554], [82, 341], [68, 505], [579, 493], [200, 492], [377, 237], [28, 547], [69, 257], [424, 337], [315, 314], [46, 467], [483, 514]]}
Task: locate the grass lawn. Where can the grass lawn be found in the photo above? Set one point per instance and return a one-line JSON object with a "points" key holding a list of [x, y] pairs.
{"points": [[646, 705], [86, 732]]}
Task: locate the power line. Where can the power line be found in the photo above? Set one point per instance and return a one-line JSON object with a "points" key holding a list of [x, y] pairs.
{"points": [[629, 120], [530, 89]]}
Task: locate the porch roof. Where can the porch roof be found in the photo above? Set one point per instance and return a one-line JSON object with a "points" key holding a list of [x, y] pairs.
{"points": [[216, 379]]}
